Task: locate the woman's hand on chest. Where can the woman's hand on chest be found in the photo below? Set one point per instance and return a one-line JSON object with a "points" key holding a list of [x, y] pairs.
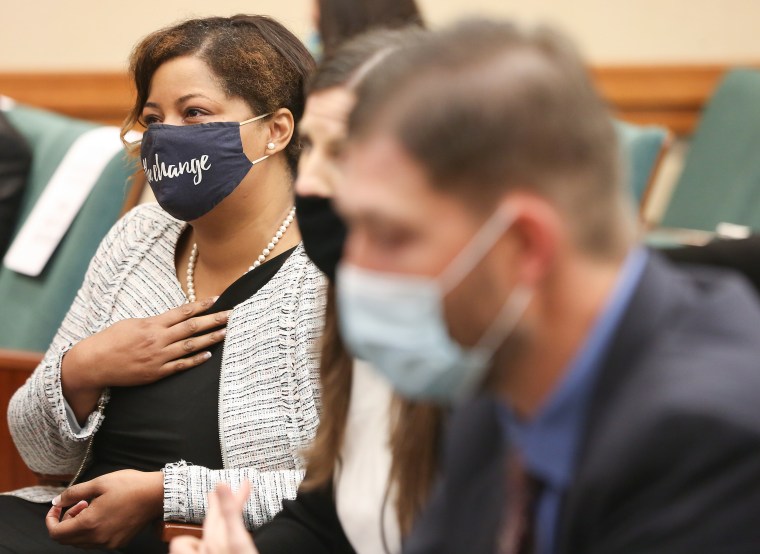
{"points": [[139, 351]]}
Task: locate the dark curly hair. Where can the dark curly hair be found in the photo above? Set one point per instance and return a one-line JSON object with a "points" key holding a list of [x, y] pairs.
{"points": [[254, 57]]}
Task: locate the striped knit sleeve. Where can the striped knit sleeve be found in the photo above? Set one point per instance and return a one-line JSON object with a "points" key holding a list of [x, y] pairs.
{"points": [[186, 489], [37, 415]]}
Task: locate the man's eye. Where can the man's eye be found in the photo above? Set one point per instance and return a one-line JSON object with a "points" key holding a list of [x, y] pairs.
{"points": [[337, 149], [391, 239]]}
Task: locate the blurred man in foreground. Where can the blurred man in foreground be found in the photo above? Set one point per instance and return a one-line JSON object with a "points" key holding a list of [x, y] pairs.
{"points": [[491, 254], [491, 247]]}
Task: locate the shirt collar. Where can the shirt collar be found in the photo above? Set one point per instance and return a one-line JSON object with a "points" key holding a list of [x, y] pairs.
{"points": [[548, 444]]}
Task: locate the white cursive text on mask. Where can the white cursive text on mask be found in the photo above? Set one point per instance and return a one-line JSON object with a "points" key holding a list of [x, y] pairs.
{"points": [[159, 170]]}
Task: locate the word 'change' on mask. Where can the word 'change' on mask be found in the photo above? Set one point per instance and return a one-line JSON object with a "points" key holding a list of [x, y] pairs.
{"points": [[397, 323], [192, 168]]}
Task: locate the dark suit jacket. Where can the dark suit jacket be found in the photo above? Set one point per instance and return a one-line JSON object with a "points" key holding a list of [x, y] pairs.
{"points": [[670, 461], [742, 255], [15, 159]]}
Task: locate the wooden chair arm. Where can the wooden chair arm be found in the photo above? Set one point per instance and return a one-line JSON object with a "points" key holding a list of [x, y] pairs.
{"points": [[25, 362], [53, 480], [19, 360], [649, 191], [172, 529]]}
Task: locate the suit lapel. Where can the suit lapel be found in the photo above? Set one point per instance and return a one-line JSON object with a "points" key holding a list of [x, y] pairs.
{"points": [[650, 306]]}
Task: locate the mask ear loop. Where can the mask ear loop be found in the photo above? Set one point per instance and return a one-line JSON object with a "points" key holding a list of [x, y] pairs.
{"points": [[507, 318], [475, 250], [246, 122], [261, 159], [262, 116]]}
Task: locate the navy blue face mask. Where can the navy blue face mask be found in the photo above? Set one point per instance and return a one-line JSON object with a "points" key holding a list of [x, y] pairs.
{"points": [[192, 168]]}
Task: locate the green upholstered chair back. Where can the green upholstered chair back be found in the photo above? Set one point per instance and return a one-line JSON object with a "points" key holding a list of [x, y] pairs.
{"points": [[721, 176], [33, 307], [641, 148]]}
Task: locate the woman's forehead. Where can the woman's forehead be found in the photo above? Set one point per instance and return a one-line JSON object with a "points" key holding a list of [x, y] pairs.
{"points": [[185, 75]]}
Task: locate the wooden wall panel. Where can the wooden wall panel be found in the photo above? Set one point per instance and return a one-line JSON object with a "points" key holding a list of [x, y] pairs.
{"points": [[670, 95], [13, 472], [101, 97]]}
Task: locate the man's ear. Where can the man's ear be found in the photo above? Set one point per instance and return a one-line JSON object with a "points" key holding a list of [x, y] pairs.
{"points": [[281, 128], [538, 231]]}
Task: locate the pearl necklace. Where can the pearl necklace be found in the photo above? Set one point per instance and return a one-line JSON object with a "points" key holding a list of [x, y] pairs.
{"points": [[260, 260]]}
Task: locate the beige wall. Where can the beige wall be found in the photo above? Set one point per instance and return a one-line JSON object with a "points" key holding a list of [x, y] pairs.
{"points": [[98, 34]]}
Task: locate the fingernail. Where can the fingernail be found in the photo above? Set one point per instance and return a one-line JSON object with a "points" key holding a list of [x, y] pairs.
{"points": [[222, 331], [214, 299], [57, 500], [206, 355]]}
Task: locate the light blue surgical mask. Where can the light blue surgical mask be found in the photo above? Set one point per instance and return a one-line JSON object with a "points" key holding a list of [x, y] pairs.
{"points": [[397, 323]]}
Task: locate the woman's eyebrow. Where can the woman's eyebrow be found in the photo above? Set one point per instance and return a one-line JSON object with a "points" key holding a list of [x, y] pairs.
{"points": [[180, 100], [192, 95]]}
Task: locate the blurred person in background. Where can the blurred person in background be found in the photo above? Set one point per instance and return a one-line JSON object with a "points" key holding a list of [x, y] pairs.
{"points": [[375, 456], [189, 355], [15, 162], [491, 253], [336, 21]]}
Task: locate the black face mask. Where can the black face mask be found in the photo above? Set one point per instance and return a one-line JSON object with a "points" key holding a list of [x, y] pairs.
{"points": [[322, 231]]}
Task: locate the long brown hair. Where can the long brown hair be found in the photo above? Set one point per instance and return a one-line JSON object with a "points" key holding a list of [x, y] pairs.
{"points": [[254, 57], [415, 427]]}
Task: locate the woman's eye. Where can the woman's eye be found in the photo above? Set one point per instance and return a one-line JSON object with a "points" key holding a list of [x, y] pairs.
{"points": [[194, 113], [149, 120]]}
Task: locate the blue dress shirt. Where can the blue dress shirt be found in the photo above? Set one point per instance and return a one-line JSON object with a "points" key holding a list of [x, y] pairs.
{"points": [[548, 444]]}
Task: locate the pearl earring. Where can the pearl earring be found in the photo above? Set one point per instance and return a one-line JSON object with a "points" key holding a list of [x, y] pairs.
{"points": [[270, 146]]}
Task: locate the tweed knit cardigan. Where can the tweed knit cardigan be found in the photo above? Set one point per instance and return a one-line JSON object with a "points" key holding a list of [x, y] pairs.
{"points": [[269, 390]]}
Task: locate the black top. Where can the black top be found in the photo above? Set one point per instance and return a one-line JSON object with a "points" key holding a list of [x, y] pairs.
{"points": [[176, 418], [309, 523]]}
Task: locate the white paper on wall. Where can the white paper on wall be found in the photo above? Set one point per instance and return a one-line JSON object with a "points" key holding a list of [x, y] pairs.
{"points": [[61, 200]]}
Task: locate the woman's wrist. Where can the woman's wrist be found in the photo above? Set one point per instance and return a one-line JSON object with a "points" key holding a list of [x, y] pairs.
{"points": [[79, 390], [154, 493]]}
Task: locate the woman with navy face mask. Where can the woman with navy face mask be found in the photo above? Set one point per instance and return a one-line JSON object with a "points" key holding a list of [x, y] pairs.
{"points": [[189, 355], [375, 456]]}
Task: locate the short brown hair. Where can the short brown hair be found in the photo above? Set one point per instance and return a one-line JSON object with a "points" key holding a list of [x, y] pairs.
{"points": [[489, 105], [254, 57]]}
